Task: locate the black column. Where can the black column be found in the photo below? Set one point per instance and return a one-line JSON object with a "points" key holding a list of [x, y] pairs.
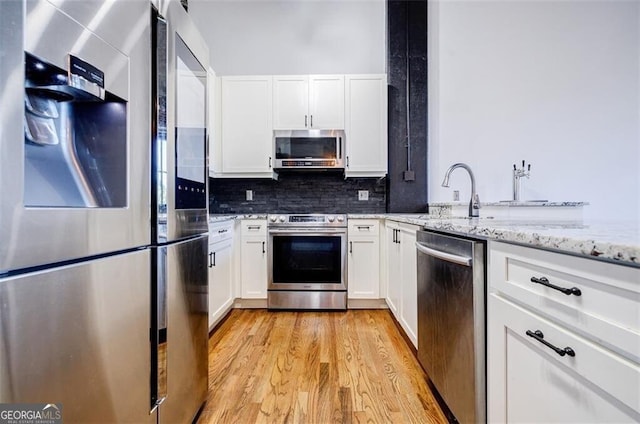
{"points": [[407, 45]]}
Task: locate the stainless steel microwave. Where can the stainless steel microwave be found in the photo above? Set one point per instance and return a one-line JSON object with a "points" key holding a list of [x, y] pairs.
{"points": [[309, 149]]}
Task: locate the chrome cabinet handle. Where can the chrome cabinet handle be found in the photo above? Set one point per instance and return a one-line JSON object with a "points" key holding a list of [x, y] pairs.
{"points": [[269, 161], [350, 247], [305, 121], [449, 257], [210, 259], [537, 335], [214, 259], [311, 121], [263, 251], [254, 227], [364, 227], [347, 161], [545, 282]]}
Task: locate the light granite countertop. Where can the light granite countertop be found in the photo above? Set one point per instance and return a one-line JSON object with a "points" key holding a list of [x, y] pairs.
{"points": [[218, 218], [515, 203], [614, 241]]}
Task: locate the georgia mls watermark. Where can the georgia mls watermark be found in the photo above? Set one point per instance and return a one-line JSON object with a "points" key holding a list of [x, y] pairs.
{"points": [[30, 413]]}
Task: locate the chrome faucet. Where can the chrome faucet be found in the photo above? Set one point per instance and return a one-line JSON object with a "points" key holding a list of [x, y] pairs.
{"points": [[474, 203]]}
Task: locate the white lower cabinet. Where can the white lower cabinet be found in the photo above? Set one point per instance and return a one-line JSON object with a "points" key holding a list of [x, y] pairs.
{"points": [[563, 338], [409, 296], [402, 285], [220, 262], [253, 257], [363, 259], [530, 382], [394, 277]]}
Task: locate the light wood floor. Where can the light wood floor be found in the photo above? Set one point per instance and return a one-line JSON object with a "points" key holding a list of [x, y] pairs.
{"points": [[314, 367]]}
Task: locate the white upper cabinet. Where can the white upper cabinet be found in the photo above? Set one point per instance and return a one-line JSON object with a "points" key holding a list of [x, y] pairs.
{"points": [[366, 125], [246, 126], [326, 102], [308, 102], [213, 123], [291, 102]]}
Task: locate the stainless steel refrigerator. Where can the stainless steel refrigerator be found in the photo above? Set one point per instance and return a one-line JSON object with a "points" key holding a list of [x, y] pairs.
{"points": [[179, 214], [102, 210], [74, 207]]}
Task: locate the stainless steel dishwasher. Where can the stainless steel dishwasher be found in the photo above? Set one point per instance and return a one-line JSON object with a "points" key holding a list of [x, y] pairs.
{"points": [[451, 321]]}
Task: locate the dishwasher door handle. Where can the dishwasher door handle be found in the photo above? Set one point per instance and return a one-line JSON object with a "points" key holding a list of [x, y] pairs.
{"points": [[456, 259]]}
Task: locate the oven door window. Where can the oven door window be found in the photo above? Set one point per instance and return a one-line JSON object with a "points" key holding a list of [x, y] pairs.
{"points": [[307, 259]]}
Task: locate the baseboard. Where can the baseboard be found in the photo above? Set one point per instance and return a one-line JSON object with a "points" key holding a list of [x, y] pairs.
{"points": [[367, 304], [250, 303], [404, 336], [351, 304], [217, 323]]}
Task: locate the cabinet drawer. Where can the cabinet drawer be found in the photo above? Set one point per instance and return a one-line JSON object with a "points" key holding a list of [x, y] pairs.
{"points": [[253, 227], [606, 308], [364, 227], [591, 384], [220, 231]]}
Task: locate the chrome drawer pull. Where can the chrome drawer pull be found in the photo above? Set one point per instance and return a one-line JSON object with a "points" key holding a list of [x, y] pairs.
{"points": [[254, 227], [540, 337], [543, 280], [364, 227]]}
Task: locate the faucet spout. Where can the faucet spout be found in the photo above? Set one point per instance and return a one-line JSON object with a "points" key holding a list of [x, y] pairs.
{"points": [[474, 203]]}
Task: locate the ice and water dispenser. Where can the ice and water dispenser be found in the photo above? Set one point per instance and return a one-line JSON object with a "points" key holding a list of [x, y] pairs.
{"points": [[75, 137]]}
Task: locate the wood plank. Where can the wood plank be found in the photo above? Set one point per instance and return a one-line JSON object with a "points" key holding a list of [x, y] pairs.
{"points": [[314, 367]]}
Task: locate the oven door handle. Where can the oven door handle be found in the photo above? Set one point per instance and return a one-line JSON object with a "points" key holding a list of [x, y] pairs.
{"points": [[308, 231]]}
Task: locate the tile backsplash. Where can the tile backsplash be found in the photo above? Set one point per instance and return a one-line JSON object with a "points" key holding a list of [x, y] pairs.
{"points": [[304, 192]]}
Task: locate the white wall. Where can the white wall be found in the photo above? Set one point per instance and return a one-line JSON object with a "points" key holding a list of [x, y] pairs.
{"points": [[253, 37], [556, 83]]}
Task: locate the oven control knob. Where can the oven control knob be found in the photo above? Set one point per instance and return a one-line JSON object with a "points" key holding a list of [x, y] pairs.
{"points": [[331, 218], [341, 218], [281, 218], [273, 218]]}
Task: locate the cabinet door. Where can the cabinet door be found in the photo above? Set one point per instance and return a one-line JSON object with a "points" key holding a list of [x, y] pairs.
{"points": [[213, 122], [253, 256], [363, 268], [394, 270], [247, 124], [326, 102], [366, 125], [409, 294], [290, 102], [529, 382], [220, 280]]}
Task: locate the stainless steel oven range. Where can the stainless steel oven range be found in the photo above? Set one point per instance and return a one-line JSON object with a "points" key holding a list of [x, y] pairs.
{"points": [[307, 261]]}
